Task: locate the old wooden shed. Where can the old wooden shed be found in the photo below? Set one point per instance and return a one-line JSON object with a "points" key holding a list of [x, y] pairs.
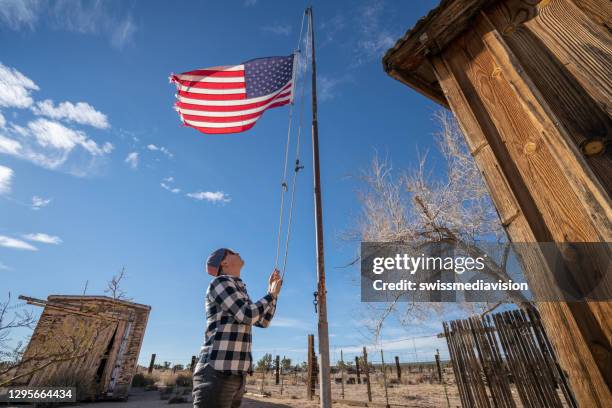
{"points": [[530, 83], [94, 338]]}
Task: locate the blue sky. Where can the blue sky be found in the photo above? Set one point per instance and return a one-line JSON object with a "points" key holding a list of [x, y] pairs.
{"points": [[97, 173]]}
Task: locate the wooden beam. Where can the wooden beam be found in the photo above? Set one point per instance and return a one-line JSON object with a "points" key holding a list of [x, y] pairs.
{"points": [[494, 119]]}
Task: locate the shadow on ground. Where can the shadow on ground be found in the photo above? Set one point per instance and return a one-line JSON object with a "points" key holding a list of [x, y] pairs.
{"points": [[252, 403]]}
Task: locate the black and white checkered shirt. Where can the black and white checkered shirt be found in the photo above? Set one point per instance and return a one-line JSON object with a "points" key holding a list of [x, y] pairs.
{"points": [[229, 317]]}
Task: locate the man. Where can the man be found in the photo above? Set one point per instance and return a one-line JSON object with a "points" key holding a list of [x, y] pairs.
{"points": [[225, 358]]}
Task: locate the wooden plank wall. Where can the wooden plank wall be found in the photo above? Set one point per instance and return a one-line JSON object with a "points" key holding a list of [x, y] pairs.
{"points": [[489, 354], [530, 84], [96, 336]]}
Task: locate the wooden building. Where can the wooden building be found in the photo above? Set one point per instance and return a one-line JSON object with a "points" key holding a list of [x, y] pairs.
{"points": [[530, 83], [96, 339]]}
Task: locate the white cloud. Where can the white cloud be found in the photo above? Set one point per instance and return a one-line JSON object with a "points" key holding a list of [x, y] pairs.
{"points": [[39, 202], [45, 142], [48, 143], [327, 86], [93, 17], [374, 37], [287, 322], [161, 149], [331, 28], [97, 17], [132, 160], [55, 135], [80, 16], [18, 13], [9, 146], [166, 185], [6, 176], [15, 88], [43, 238], [213, 197], [170, 188], [279, 29], [14, 243], [81, 112], [123, 33]]}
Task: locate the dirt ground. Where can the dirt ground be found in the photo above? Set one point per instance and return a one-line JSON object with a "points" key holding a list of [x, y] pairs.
{"points": [[150, 399], [422, 395], [414, 391], [403, 395], [294, 396]]}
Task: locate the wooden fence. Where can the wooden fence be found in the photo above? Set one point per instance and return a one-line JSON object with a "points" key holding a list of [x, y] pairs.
{"points": [[490, 353]]}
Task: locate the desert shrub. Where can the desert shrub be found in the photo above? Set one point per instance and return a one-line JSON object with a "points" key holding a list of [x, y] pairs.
{"points": [[142, 380], [169, 380], [183, 381]]}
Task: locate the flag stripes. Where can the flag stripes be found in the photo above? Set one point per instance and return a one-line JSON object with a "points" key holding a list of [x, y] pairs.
{"points": [[231, 99]]}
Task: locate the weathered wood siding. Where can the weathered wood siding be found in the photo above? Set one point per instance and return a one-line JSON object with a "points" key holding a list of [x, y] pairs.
{"points": [[530, 83], [91, 329]]}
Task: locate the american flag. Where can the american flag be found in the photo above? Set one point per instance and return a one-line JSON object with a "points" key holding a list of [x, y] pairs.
{"points": [[230, 99]]}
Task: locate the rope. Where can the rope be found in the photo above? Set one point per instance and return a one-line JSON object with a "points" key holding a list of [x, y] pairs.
{"points": [[297, 155], [284, 186]]}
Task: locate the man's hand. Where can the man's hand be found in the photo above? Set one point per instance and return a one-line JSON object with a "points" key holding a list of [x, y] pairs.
{"points": [[274, 283]]}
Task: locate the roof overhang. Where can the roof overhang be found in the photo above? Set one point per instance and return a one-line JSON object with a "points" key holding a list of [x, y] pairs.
{"points": [[407, 61], [89, 298]]}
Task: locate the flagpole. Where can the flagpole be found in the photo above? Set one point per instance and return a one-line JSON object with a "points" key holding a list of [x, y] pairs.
{"points": [[324, 379]]}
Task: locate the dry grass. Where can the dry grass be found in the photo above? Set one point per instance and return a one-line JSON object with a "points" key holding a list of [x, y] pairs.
{"points": [[416, 389], [166, 377]]}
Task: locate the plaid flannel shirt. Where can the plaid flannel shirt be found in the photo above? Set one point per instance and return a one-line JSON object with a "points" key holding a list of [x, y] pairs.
{"points": [[229, 317]]}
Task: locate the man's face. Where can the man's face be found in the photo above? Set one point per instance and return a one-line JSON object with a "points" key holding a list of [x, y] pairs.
{"points": [[232, 263]]}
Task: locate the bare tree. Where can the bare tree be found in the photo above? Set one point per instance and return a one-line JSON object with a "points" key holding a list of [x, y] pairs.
{"points": [[20, 319], [420, 208], [113, 286]]}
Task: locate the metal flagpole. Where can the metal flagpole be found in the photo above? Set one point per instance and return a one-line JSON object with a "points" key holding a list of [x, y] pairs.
{"points": [[324, 377]]}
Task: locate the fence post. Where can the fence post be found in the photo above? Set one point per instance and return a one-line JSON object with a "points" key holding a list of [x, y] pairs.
{"points": [[193, 363], [151, 363], [282, 377], [263, 378], [384, 370], [309, 382], [367, 373], [438, 364], [277, 368], [357, 368], [342, 372], [440, 376], [399, 369]]}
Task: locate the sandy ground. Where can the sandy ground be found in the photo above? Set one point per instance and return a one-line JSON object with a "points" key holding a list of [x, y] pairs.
{"points": [[150, 399], [415, 390], [294, 396], [402, 395]]}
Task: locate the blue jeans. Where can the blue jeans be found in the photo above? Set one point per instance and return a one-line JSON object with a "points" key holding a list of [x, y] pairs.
{"points": [[216, 389]]}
